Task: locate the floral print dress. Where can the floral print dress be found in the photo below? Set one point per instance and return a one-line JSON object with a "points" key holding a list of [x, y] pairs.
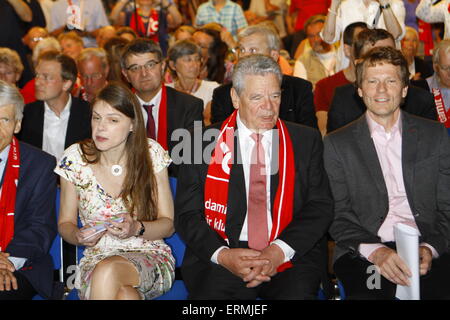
{"points": [[153, 259]]}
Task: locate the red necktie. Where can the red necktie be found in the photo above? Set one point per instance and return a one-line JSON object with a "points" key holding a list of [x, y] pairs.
{"points": [[151, 131], [257, 197]]}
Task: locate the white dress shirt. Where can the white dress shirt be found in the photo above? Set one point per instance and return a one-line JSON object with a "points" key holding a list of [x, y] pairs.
{"points": [[246, 144], [156, 101], [55, 129]]}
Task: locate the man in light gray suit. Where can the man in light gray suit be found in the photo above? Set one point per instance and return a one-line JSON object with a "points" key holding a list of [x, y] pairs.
{"points": [[389, 167]]}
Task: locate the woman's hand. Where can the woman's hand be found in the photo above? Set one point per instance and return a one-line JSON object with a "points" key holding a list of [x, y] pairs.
{"points": [[125, 229], [86, 238]]}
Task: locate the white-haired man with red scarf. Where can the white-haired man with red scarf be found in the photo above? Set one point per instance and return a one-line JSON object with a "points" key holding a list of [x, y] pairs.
{"points": [[255, 211], [27, 208]]}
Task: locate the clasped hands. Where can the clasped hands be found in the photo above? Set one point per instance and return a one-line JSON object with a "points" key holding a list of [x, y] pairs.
{"points": [[392, 267], [252, 266], [122, 230]]}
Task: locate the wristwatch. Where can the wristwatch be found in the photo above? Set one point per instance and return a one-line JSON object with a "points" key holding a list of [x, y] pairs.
{"points": [[386, 6], [142, 230]]}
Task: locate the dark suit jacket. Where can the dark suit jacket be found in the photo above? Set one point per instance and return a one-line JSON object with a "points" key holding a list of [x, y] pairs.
{"points": [[78, 128], [305, 233], [297, 102], [425, 69], [35, 219], [182, 110], [359, 189], [347, 105]]}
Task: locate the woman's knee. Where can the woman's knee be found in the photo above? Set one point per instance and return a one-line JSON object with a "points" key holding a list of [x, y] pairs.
{"points": [[128, 293], [113, 268]]}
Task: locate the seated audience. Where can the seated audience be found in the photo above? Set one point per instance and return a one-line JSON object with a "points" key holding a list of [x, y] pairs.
{"points": [[418, 68], [214, 53], [296, 94], [127, 33], [71, 44], [28, 91], [28, 191], [439, 83], [389, 168], [381, 14], [347, 105], [104, 34], [11, 66], [239, 243], [324, 89], [184, 59], [118, 174], [164, 109], [93, 69], [319, 62], [57, 120]]}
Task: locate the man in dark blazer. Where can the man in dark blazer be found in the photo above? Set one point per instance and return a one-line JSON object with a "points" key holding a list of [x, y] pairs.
{"points": [[297, 103], [347, 106], [389, 167], [57, 120], [222, 259], [164, 109], [28, 224]]}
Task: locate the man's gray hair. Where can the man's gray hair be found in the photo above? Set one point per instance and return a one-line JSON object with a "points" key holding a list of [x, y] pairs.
{"points": [[255, 65], [9, 94], [88, 53], [443, 45], [272, 38]]}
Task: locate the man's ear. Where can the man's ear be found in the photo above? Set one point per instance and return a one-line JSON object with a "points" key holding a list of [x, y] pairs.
{"points": [[67, 85], [235, 98], [347, 50], [360, 92], [172, 65], [275, 55], [124, 72], [17, 126], [404, 92]]}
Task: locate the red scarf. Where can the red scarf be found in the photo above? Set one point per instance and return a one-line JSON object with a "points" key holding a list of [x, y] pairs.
{"points": [[8, 197], [151, 32], [444, 116], [217, 179], [161, 137]]}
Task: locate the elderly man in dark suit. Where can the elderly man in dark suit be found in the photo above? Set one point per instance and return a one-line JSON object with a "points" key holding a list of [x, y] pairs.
{"points": [[347, 106], [27, 208], [297, 103], [255, 211], [164, 109], [389, 167], [57, 120]]}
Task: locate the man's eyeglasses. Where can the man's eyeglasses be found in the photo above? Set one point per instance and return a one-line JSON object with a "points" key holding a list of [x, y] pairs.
{"points": [[444, 68], [148, 66]]}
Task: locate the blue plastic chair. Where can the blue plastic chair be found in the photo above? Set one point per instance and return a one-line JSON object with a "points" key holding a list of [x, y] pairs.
{"points": [[56, 249]]}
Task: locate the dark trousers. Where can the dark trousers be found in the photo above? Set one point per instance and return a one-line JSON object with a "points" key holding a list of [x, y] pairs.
{"points": [[25, 290], [354, 274], [301, 282]]}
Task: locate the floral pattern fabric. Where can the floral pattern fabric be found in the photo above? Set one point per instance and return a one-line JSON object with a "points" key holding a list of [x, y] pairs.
{"points": [[153, 259]]}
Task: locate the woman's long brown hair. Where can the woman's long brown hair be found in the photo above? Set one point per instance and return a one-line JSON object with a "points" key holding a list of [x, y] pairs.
{"points": [[139, 191]]}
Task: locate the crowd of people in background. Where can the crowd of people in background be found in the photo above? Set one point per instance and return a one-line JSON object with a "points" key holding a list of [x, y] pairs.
{"points": [[101, 88]]}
